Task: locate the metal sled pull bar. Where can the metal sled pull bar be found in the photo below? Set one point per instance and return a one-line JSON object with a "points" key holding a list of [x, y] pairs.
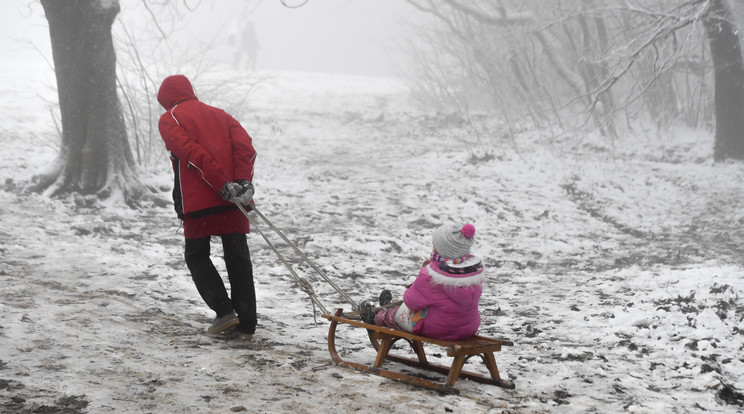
{"points": [[305, 286], [325, 277]]}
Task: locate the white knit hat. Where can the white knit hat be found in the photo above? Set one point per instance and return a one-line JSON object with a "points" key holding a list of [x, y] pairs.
{"points": [[452, 241]]}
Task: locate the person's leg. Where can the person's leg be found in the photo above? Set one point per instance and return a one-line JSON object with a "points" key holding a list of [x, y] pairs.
{"points": [[240, 273], [206, 278], [387, 318]]}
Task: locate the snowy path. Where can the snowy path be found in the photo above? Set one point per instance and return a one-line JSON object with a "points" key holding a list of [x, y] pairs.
{"points": [[619, 279]]}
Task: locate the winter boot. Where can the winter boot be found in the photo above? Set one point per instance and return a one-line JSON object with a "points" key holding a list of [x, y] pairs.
{"points": [[245, 337], [223, 323], [243, 333], [365, 309], [386, 297]]}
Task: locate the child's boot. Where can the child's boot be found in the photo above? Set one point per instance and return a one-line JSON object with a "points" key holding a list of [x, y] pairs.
{"points": [[385, 297], [365, 309]]}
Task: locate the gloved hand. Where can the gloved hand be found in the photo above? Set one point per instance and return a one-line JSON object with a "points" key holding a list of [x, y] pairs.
{"points": [[245, 193], [230, 190]]}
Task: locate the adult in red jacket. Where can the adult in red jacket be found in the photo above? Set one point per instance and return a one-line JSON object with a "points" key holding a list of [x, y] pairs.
{"points": [[212, 158]]}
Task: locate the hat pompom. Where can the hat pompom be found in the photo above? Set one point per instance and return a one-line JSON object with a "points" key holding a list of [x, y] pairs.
{"points": [[468, 231], [453, 241]]}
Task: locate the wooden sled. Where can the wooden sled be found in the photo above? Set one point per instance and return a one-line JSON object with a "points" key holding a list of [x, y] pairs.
{"points": [[383, 338]]}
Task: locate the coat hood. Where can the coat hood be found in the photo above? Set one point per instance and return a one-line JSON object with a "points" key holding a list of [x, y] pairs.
{"points": [[174, 90]]}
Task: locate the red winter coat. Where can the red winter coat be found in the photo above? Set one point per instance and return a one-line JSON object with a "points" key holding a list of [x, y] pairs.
{"points": [[208, 148]]}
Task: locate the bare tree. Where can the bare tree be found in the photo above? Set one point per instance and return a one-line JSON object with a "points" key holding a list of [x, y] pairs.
{"points": [[519, 32], [99, 134], [725, 47], [603, 57], [95, 156]]}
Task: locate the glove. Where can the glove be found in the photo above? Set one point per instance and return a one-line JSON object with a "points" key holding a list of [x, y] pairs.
{"points": [[245, 193], [229, 191]]}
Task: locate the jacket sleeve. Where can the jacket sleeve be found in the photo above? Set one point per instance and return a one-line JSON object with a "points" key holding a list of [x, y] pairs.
{"points": [[244, 155], [415, 297], [178, 142]]}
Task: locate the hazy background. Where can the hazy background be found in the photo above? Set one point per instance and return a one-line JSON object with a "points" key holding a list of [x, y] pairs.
{"points": [[23, 28], [336, 36]]}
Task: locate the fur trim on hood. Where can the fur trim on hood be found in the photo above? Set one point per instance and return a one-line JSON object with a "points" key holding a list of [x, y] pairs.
{"points": [[440, 277]]}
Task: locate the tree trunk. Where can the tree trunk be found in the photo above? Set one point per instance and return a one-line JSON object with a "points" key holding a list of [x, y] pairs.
{"points": [[729, 81], [95, 156]]}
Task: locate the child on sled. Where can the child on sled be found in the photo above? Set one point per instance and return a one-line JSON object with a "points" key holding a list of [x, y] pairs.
{"points": [[442, 302]]}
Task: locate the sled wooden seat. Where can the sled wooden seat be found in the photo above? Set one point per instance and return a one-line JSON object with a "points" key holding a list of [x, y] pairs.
{"points": [[383, 338]]}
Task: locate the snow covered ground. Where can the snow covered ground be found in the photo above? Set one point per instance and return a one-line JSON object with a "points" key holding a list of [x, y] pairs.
{"points": [[616, 270]]}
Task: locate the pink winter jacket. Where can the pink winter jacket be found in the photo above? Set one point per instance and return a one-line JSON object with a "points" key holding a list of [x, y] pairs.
{"points": [[450, 294]]}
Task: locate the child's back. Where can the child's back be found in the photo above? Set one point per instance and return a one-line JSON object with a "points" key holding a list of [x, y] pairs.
{"points": [[450, 295]]}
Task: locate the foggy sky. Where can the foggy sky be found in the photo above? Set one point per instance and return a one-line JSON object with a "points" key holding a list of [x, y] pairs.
{"points": [[337, 36], [347, 36]]}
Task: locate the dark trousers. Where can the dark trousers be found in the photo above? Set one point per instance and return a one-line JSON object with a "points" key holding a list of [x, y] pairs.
{"points": [[239, 271]]}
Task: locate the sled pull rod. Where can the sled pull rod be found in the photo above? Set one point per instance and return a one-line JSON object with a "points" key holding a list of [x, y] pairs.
{"points": [[312, 264], [305, 286]]}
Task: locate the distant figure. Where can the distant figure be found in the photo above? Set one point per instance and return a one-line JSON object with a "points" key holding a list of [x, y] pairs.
{"points": [[244, 44]]}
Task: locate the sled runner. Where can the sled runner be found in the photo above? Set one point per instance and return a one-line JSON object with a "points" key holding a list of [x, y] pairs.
{"points": [[383, 338]]}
